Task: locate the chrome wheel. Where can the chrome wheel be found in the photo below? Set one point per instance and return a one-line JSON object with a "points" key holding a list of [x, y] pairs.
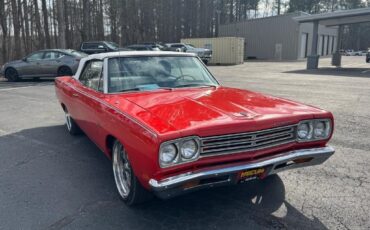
{"points": [[122, 170], [68, 120]]}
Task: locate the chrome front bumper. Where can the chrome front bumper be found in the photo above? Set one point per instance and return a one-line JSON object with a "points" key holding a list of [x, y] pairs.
{"points": [[226, 175]]}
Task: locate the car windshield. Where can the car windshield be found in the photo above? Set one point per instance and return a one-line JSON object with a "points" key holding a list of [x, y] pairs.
{"points": [[177, 45], [75, 53], [112, 45], [151, 73]]}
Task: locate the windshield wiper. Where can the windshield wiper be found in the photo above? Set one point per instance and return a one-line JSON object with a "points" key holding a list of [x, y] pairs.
{"points": [[194, 85], [133, 89], [143, 89]]}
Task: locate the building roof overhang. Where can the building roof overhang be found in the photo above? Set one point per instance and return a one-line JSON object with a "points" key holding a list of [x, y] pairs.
{"points": [[336, 18]]}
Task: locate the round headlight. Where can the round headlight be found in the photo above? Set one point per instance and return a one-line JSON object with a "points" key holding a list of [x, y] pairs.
{"points": [[189, 149], [304, 131], [319, 129], [168, 153]]}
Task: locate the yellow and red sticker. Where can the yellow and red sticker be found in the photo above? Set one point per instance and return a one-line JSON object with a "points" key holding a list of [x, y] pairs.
{"points": [[251, 173]]}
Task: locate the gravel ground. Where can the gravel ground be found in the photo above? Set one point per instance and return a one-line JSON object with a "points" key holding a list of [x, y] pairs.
{"points": [[50, 180]]}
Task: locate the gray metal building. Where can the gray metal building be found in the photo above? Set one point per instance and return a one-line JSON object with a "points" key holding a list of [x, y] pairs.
{"points": [[281, 37]]}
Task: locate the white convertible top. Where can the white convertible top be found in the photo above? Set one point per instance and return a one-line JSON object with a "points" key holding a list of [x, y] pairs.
{"points": [[102, 56]]}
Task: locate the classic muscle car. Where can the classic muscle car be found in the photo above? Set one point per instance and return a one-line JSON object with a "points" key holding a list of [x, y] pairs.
{"points": [[170, 127]]}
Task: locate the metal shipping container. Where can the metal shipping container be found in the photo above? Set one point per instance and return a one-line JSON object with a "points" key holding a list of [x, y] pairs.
{"points": [[225, 50]]}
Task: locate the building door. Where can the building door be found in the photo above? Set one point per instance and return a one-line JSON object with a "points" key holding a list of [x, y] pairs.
{"points": [[334, 44], [330, 46], [304, 39], [325, 46], [278, 51], [319, 45]]}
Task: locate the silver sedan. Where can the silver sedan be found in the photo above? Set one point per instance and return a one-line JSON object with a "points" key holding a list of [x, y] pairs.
{"points": [[44, 63]]}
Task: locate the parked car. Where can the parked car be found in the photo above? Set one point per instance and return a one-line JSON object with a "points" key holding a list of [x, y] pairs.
{"points": [[43, 63], [170, 128], [204, 54], [158, 45], [360, 53], [93, 47], [142, 47], [351, 52]]}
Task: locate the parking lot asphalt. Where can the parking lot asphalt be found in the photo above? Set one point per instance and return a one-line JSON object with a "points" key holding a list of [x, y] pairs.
{"points": [[51, 180]]}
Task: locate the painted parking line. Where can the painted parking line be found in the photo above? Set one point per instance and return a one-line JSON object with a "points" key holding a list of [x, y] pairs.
{"points": [[13, 88], [21, 86]]}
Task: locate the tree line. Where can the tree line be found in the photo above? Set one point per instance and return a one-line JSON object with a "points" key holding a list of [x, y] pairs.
{"points": [[28, 25]]}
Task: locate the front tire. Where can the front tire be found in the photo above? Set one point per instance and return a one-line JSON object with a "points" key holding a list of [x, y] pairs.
{"points": [[71, 125], [128, 186], [64, 71], [11, 74]]}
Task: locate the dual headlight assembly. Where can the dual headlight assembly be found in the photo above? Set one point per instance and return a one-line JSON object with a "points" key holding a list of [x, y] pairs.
{"points": [[179, 151], [187, 149], [313, 130]]}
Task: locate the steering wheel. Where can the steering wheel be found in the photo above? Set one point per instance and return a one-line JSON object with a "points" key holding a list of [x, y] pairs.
{"points": [[179, 77]]}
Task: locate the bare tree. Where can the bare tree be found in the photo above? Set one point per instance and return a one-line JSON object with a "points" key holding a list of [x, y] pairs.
{"points": [[46, 23], [16, 28], [40, 35], [25, 25], [61, 24], [4, 28]]}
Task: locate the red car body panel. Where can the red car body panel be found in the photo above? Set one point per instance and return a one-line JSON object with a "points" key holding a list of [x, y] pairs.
{"points": [[141, 121]]}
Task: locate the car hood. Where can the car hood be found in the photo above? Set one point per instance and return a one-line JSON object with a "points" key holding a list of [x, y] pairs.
{"points": [[213, 111], [13, 62]]}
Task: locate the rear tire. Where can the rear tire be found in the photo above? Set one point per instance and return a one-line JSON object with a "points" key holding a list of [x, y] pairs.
{"points": [[11, 74], [128, 186], [367, 60], [72, 127], [64, 71]]}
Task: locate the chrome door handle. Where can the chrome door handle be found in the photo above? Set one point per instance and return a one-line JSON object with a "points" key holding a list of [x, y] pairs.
{"points": [[75, 95]]}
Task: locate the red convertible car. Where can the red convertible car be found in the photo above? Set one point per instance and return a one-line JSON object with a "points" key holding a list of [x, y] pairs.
{"points": [[170, 128]]}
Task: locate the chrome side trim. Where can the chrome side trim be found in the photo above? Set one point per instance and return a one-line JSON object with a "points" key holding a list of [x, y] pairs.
{"points": [[173, 186], [105, 75]]}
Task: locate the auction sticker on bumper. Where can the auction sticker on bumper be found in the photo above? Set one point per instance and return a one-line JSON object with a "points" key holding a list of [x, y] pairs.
{"points": [[251, 174]]}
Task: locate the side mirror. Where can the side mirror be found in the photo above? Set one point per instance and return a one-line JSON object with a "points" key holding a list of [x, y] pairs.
{"points": [[24, 59]]}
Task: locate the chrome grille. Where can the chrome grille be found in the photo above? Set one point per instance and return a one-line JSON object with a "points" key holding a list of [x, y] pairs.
{"points": [[242, 142]]}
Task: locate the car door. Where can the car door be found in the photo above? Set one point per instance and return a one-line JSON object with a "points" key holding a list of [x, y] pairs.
{"points": [[88, 99], [31, 65], [51, 62]]}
